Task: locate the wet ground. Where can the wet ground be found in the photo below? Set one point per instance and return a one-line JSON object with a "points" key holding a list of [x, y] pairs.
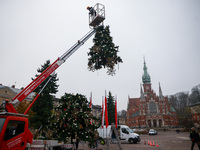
{"points": [[169, 140]]}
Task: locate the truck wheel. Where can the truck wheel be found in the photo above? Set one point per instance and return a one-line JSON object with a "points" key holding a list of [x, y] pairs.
{"points": [[131, 141]]}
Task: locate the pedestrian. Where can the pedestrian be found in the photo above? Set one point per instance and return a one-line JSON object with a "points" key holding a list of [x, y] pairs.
{"points": [[43, 133], [194, 136], [177, 130], [77, 142]]}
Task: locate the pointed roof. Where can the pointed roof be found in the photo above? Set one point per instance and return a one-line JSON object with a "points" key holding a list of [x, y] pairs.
{"points": [[160, 92], [145, 78], [141, 93]]}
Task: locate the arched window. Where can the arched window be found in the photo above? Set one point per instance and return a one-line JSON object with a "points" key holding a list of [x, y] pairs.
{"points": [[152, 108]]}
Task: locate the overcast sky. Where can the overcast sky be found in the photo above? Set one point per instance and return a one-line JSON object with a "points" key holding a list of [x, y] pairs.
{"points": [[166, 32]]}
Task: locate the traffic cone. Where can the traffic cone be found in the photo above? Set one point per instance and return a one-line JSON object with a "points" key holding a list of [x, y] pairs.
{"points": [[144, 142], [153, 143], [148, 142], [157, 145]]}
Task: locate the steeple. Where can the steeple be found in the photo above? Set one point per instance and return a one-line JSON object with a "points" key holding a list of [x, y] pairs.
{"points": [[145, 78], [141, 93], [160, 92], [128, 103]]}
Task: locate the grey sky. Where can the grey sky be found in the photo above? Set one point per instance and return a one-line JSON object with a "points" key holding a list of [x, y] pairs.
{"points": [[166, 32]]}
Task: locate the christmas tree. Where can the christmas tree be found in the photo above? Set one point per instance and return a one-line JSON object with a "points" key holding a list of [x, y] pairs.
{"points": [[71, 120], [104, 52]]}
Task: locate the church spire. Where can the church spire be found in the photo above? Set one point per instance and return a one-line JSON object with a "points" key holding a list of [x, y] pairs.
{"points": [[141, 93], [160, 92], [145, 78]]}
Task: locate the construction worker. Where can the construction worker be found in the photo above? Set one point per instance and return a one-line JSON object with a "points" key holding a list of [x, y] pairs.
{"points": [[92, 12], [194, 136]]}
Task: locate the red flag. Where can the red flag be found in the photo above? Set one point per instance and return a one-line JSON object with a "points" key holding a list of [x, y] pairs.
{"points": [[90, 106], [106, 112], [90, 102], [102, 117], [116, 114]]}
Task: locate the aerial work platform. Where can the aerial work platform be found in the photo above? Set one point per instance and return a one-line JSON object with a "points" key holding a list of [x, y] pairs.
{"points": [[96, 15]]}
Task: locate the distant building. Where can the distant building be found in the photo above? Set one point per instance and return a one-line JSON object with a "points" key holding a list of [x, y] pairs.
{"points": [[121, 121], [195, 110], [7, 92], [150, 110], [96, 112]]}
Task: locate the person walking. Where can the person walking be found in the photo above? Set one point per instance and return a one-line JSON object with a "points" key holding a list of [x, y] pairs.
{"points": [[194, 136]]}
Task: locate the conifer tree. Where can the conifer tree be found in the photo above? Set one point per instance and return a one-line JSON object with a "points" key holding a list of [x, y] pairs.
{"points": [[71, 120], [44, 104], [104, 52], [111, 108]]}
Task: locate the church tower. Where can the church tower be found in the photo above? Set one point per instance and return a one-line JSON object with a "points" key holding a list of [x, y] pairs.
{"points": [[146, 79], [150, 110]]}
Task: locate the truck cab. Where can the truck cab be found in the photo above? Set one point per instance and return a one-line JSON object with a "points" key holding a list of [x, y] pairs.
{"points": [[14, 131]]}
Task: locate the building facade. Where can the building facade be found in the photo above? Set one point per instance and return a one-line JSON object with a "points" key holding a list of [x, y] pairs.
{"points": [[195, 111], [150, 110], [96, 112], [7, 92]]}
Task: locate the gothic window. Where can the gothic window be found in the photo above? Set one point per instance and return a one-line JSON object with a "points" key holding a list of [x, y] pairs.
{"points": [[152, 108], [143, 110], [163, 110]]}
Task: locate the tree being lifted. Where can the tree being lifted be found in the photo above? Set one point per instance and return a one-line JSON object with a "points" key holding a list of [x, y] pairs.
{"points": [[104, 52], [67, 122]]}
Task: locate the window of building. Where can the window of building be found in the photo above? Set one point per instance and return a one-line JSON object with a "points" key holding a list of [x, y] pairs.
{"points": [[163, 110], [152, 108]]}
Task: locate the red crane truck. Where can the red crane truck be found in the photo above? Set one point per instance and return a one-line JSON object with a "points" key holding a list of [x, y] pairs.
{"points": [[14, 130]]}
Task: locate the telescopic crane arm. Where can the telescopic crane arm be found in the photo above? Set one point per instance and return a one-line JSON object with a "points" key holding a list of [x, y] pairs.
{"points": [[46, 73], [95, 20]]}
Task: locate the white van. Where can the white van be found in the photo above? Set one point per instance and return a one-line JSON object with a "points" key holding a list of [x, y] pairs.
{"points": [[126, 135]]}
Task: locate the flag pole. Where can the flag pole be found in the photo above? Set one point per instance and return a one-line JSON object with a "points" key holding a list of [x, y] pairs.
{"points": [[102, 118], [116, 120], [106, 112], [91, 105]]}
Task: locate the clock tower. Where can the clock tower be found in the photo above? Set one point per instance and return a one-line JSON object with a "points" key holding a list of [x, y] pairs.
{"points": [[150, 110], [146, 79]]}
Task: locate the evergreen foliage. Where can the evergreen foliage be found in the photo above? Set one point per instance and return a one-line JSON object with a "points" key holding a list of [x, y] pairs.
{"points": [[44, 104], [104, 52], [71, 120], [111, 109]]}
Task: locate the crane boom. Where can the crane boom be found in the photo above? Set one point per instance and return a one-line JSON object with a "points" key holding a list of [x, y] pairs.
{"points": [[21, 135], [37, 81]]}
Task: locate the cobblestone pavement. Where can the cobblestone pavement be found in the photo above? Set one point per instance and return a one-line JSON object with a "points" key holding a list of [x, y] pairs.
{"points": [[169, 140]]}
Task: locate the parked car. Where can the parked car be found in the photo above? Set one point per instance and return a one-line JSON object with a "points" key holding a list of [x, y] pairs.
{"points": [[134, 130], [152, 132]]}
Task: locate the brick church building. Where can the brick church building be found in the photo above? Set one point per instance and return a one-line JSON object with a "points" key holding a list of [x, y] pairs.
{"points": [[150, 110]]}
